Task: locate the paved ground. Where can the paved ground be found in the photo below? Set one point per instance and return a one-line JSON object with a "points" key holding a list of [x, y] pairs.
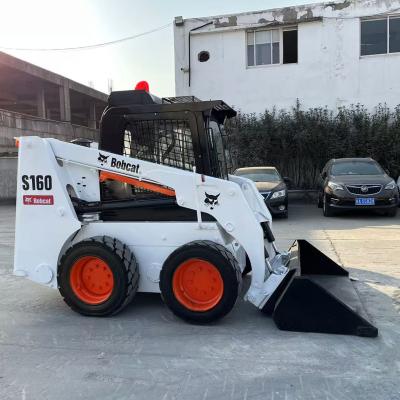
{"points": [[48, 352]]}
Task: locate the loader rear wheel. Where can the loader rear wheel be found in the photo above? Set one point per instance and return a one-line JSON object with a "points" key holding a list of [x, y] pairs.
{"points": [[200, 281], [91, 280], [98, 276]]}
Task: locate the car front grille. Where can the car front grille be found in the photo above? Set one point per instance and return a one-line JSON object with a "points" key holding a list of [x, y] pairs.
{"points": [[364, 189]]}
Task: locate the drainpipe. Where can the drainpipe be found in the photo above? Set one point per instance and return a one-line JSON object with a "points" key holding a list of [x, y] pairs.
{"points": [[195, 29]]}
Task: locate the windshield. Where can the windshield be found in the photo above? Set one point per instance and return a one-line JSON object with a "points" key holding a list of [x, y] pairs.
{"points": [[356, 168], [262, 175], [219, 155]]}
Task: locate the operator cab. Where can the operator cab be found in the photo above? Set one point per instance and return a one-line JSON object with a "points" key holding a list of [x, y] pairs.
{"points": [[181, 132]]}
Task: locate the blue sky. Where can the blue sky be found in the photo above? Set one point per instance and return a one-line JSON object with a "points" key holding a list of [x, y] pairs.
{"points": [[70, 23]]}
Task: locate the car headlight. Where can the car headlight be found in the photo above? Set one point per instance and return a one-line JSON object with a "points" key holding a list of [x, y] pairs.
{"points": [[391, 185], [335, 186], [279, 193]]}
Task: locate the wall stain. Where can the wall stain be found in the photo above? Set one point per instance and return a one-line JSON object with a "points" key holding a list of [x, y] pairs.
{"points": [[287, 14], [232, 21], [338, 6], [308, 15]]}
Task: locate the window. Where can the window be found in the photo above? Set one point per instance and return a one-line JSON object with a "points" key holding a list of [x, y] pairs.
{"points": [[356, 168], [394, 35], [163, 141], [290, 47], [380, 36], [260, 175], [218, 152], [264, 47]]}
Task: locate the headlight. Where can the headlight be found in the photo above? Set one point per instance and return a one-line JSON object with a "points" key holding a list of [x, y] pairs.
{"points": [[335, 186], [391, 185], [279, 193]]}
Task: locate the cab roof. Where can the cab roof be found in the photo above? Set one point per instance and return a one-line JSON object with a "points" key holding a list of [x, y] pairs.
{"points": [[140, 101]]}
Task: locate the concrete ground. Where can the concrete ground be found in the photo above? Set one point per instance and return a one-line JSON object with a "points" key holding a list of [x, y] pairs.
{"points": [[49, 352]]}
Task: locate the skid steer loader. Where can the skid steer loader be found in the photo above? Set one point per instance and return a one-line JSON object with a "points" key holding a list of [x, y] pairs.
{"points": [[152, 208]]}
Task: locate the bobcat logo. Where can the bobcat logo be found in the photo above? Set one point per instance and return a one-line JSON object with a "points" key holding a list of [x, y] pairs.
{"points": [[103, 159], [211, 200]]}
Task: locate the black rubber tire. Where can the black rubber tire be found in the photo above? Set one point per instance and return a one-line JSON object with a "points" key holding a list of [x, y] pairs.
{"points": [[119, 259], [392, 212], [327, 209], [227, 266]]}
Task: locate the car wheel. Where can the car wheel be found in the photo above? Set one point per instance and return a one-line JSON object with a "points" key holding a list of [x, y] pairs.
{"points": [[326, 207]]}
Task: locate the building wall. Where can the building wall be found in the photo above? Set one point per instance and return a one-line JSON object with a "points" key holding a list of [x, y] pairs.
{"points": [[329, 72], [8, 178], [37, 102], [15, 124]]}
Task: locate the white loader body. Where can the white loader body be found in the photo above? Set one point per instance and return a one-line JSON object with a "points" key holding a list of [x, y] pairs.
{"points": [[49, 171]]}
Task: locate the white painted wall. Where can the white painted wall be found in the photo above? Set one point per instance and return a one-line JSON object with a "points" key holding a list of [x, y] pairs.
{"points": [[330, 71]]}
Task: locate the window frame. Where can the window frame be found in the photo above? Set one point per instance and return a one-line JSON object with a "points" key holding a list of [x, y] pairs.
{"points": [[280, 30], [387, 17]]}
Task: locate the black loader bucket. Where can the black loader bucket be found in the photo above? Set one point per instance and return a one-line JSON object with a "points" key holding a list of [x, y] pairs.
{"points": [[317, 295]]}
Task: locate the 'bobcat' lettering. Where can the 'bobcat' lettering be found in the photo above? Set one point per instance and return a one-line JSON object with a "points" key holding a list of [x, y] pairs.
{"points": [[121, 164]]}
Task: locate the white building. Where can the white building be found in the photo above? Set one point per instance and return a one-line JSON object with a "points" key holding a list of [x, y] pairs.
{"points": [[326, 54]]}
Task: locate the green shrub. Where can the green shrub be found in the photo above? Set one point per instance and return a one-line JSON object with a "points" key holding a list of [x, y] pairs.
{"points": [[299, 142]]}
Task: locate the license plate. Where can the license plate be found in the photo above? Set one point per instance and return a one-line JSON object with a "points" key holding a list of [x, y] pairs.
{"points": [[365, 201]]}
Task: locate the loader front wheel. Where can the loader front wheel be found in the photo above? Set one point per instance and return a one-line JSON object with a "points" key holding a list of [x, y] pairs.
{"points": [[98, 276], [200, 281]]}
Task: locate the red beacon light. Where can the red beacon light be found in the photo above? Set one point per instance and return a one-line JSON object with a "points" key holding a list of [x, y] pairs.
{"points": [[142, 85]]}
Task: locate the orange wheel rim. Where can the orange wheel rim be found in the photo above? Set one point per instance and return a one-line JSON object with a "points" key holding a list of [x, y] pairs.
{"points": [[91, 280], [197, 285]]}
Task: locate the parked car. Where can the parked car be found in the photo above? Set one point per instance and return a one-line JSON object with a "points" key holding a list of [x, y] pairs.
{"points": [[356, 183], [271, 186]]}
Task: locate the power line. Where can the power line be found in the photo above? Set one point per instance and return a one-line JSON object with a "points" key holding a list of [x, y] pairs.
{"points": [[91, 46]]}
